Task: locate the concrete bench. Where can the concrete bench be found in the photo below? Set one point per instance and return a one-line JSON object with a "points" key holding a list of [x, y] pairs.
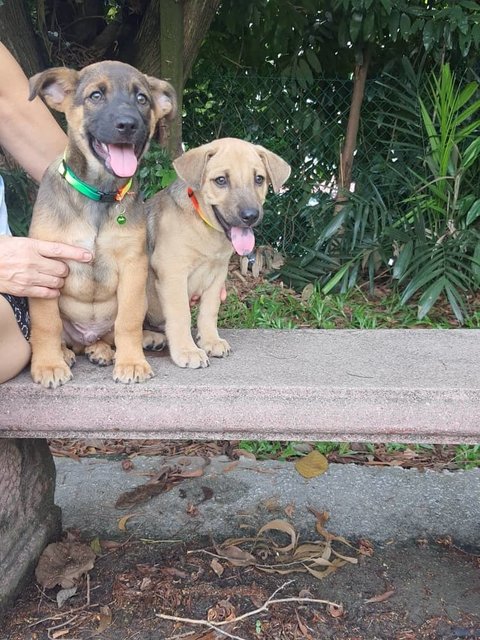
{"points": [[384, 385]]}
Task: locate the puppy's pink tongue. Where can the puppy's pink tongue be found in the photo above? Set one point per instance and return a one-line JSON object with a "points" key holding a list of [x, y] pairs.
{"points": [[123, 160], [243, 240]]}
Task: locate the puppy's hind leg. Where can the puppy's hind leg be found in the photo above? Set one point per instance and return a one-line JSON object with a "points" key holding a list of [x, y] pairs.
{"points": [[154, 340], [100, 353], [68, 355]]}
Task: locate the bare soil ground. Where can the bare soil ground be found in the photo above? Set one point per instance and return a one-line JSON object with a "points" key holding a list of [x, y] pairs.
{"points": [[424, 590], [416, 591]]}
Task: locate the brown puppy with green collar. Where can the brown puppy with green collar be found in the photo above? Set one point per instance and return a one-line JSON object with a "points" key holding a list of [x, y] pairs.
{"points": [[88, 199], [194, 226]]}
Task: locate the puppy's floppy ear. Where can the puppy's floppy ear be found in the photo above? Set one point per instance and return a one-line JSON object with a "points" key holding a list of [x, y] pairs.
{"points": [[164, 98], [165, 106], [191, 166], [56, 86], [277, 169]]}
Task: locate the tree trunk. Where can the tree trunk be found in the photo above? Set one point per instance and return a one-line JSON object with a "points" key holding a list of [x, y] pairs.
{"points": [[16, 33], [344, 178], [171, 64], [198, 16], [167, 44]]}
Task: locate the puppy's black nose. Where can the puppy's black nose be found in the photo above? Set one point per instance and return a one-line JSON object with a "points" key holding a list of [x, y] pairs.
{"points": [[126, 124], [249, 216]]}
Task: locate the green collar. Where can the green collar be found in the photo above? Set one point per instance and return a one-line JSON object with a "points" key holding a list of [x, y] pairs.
{"points": [[91, 192]]}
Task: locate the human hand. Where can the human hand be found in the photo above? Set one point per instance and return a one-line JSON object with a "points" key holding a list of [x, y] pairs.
{"points": [[35, 268]]}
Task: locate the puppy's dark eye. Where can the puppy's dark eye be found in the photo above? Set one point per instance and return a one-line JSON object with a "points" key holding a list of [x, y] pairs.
{"points": [[142, 98], [96, 96], [259, 180], [221, 181]]}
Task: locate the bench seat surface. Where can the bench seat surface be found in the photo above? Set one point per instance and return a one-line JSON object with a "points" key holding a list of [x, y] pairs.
{"points": [[344, 385]]}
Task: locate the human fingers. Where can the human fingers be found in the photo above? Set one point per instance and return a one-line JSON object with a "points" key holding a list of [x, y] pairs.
{"points": [[35, 291], [62, 251]]}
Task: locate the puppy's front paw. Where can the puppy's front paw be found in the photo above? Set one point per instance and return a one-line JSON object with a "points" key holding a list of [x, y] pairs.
{"points": [[154, 340], [100, 353], [191, 358], [128, 372], [215, 348], [52, 375]]}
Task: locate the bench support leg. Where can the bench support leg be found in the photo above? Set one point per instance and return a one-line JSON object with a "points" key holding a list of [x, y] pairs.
{"points": [[29, 519]]}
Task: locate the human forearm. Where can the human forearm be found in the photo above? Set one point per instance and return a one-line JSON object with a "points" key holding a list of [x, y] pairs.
{"points": [[28, 131]]}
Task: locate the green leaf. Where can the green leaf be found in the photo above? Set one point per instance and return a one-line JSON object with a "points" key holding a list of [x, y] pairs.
{"points": [[464, 43], [473, 213], [403, 260], [428, 35], [476, 34], [405, 24], [393, 24], [369, 26], [387, 5], [343, 33], [313, 60], [429, 297], [471, 5], [455, 301], [355, 26], [421, 279], [476, 262], [303, 72], [333, 226], [336, 278]]}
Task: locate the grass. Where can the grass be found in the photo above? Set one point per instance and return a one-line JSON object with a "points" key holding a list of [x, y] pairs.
{"points": [[444, 456], [271, 306]]}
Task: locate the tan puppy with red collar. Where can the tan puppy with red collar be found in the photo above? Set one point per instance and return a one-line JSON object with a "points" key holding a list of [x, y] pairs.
{"points": [[194, 226]]}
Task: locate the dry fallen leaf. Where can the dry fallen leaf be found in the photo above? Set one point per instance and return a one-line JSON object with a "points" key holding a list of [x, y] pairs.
{"points": [[110, 545], [127, 465], [381, 597], [223, 611], [64, 563], [243, 453], [285, 527], [217, 567], [145, 584], [230, 466], [312, 465], [192, 510], [161, 481], [319, 558], [65, 594], [96, 546], [122, 523], [302, 627], [236, 556], [336, 611], [105, 619]]}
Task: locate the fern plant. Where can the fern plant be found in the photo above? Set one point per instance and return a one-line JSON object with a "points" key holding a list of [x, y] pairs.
{"points": [[416, 206], [442, 214]]}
